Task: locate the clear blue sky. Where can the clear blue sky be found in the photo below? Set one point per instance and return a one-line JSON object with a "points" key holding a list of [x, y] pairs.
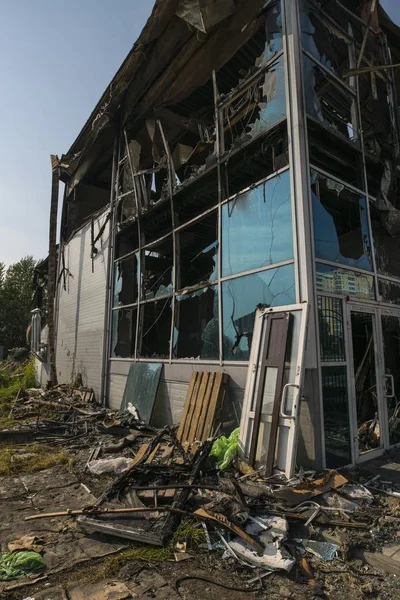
{"points": [[56, 59]]}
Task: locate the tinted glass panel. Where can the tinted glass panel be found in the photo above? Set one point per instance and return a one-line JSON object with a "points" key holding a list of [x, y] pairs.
{"points": [[257, 227], [126, 281], [341, 232], [155, 327], [198, 248], [196, 332], [157, 270], [123, 333], [391, 347], [331, 331], [336, 416], [240, 298], [344, 282]]}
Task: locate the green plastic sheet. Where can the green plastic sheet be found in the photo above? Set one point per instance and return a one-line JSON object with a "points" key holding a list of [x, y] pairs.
{"points": [[18, 564], [225, 449]]}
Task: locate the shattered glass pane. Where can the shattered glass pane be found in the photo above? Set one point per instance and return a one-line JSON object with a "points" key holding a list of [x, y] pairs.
{"points": [[257, 108], [344, 282], [336, 417], [387, 248], [157, 270], [257, 227], [341, 232], [273, 28], [126, 280], [389, 291], [155, 327], [331, 329], [329, 102], [240, 298], [322, 39], [198, 251], [196, 332], [123, 337]]}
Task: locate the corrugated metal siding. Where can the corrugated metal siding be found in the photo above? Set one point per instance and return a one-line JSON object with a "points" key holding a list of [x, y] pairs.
{"points": [[173, 388], [81, 308]]}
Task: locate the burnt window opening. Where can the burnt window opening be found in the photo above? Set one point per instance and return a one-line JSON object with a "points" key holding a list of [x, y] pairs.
{"points": [[127, 240], [329, 102], [196, 331], [323, 40], [198, 252], [252, 163], [123, 338], [193, 200], [341, 232], [155, 327], [389, 291], [334, 155], [387, 248], [126, 281], [158, 269], [375, 113], [259, 103]]}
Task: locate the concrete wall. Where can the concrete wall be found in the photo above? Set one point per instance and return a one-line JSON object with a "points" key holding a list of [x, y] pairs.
{"points": [[173, 387], [81, 308]]}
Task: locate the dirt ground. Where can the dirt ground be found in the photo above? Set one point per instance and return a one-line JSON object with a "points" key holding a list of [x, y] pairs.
{"points": [[81, 565]]}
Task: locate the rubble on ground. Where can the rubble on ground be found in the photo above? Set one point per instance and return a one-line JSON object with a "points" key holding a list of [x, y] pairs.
{"points": [[188, 503]]}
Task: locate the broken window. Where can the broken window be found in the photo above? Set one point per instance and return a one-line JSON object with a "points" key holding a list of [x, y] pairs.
{"points": [[336, 417], [127, 240], [198, 252], [255, 106], [387, 248], [330, 102], [155, 327], [389, 291], [323, 40], [344, 282], [240, 298], [126, 280], [196, 331], [257, 227], [331, 329], [158, 269], [341, 232], [123, 336]]}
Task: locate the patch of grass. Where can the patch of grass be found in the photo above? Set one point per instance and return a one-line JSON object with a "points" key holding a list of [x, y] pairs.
{"points": [[188, 530], [37, 458]]}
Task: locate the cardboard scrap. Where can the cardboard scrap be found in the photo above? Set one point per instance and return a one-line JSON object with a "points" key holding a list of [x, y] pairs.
{"points": [[293, 496], [26, 542]]}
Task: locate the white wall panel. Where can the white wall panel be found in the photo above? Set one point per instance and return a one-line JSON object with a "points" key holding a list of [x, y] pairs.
{"points": [[81, 308]]}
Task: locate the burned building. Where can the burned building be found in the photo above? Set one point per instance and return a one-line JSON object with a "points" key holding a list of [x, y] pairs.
{"points": [[245, 154]]}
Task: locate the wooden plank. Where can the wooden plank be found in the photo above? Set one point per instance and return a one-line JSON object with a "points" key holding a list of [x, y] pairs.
{"points": [[140, 453], [192, 384], [153, 455], [205, 405], [215, 397], [198, 407], [192, 406]]}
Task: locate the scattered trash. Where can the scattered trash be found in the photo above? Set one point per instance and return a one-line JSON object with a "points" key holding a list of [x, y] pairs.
{"points": [[26, 542], [323, 550], [357, 492], [14, 565], [225, 449], [111, 465]]}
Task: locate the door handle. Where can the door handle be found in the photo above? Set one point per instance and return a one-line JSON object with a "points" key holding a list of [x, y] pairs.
{"points": [[392, 394], [293, 415]]}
